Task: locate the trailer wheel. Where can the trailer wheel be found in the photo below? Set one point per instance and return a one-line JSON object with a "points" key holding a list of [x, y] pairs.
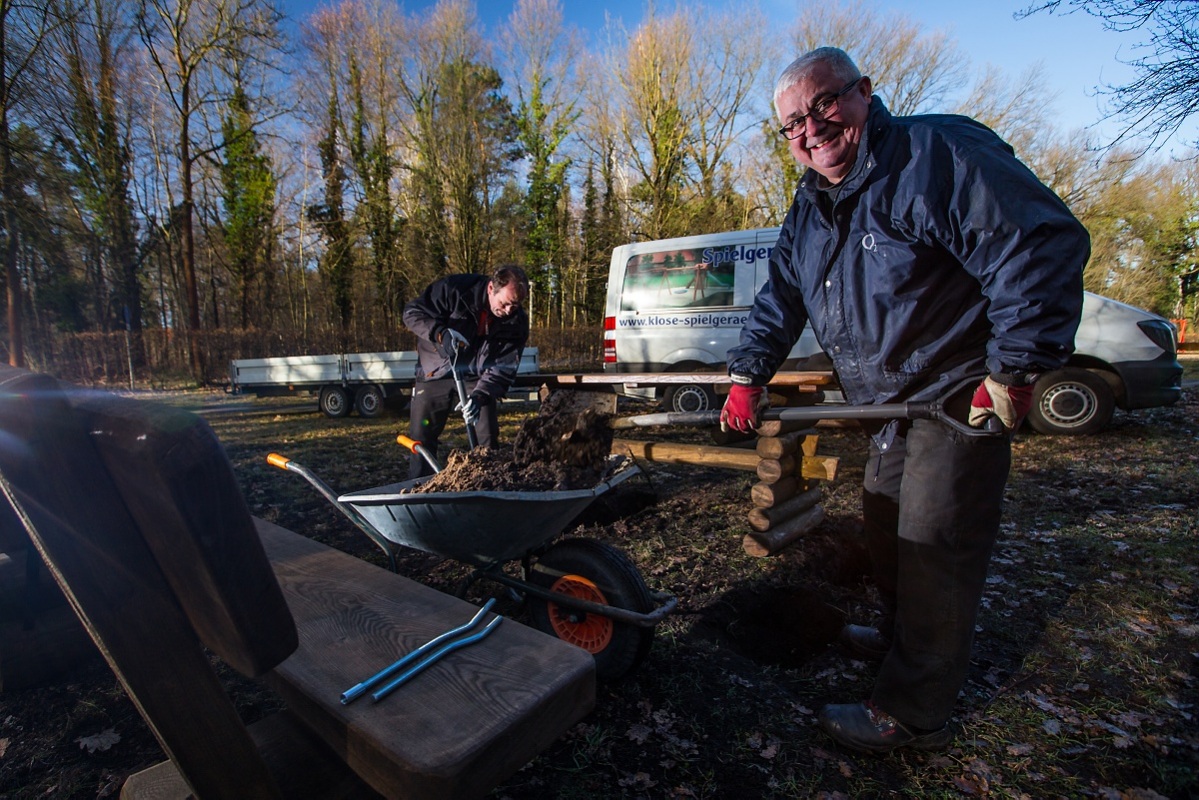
{"points": [[334, 401], [592, 570], [1071, 402], [368, 401]]}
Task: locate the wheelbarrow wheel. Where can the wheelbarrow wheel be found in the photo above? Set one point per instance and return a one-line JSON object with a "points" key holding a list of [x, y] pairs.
{"points": [[592, 570]]}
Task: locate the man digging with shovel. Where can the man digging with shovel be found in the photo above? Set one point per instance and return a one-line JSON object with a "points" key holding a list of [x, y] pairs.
{"points": [[471, 330], [923, 253]]}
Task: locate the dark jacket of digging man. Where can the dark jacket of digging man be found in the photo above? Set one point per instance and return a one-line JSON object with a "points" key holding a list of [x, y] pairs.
{"points": [[924, 254], [488, 362]]}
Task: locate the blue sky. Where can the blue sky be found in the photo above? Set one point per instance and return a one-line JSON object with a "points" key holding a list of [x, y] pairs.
{"points": [[1077, 54]]}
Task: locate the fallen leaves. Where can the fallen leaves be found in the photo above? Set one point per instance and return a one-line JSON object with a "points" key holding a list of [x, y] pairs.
{"points": [[99, 742]]}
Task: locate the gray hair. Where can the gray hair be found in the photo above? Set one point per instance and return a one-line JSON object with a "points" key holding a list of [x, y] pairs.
{"points": [[799, 69]]}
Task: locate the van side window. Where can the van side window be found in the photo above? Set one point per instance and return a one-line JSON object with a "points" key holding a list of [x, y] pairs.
{"points": [[676, 279]]}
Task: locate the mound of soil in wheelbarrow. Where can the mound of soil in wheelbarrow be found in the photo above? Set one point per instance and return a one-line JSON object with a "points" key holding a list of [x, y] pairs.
{"points": [[558, 450]]}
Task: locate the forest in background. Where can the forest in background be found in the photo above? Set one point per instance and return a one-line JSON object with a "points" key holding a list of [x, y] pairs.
{"points": [[210, 177]]}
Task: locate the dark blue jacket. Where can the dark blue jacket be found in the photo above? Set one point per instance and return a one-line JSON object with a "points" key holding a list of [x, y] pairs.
{"points": [[457, 302], [941, 257]]}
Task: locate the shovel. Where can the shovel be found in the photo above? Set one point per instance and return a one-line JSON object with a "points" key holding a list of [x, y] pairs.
{"points": [[471, 437], [912, 409]]}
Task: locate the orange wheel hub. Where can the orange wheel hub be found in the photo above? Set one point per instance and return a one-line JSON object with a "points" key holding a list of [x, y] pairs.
{"points": [[591, 632]]}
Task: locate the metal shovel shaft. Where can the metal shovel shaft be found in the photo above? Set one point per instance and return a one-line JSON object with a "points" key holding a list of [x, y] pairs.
{"points": [[913, 409], [460, 384]]}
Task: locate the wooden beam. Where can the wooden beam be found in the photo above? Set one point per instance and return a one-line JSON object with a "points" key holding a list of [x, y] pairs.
{"points": [[765, 495], [778, 537], [772, 470], [784, 445], [764, 519], [819, 468], [694, 454]]}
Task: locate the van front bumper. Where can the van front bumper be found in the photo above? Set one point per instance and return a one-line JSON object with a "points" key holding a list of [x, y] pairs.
{"points": [[1150, 384]]}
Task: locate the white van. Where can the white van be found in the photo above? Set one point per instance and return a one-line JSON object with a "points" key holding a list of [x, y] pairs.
{"points": [[677, 305]]}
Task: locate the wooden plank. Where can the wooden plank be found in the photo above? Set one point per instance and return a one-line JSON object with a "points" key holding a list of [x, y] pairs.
{"points": [[694, 454], [783, 534], [74, 514], [456, 730], [763, 519]]}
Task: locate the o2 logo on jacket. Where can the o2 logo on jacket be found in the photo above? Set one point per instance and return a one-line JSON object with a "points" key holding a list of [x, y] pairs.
{"points": [[869, 244]]}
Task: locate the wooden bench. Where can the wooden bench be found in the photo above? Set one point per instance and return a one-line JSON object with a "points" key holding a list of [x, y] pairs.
{"points": [[135, 509]]}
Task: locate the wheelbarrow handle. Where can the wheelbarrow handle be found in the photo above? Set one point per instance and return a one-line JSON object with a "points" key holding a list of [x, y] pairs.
{"points": [[414, 446]]}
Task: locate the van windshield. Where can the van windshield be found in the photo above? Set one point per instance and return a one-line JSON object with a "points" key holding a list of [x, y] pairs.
{"points": [[675, 279]]}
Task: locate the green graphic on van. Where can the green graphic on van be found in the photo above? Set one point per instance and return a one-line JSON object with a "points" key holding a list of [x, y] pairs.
{"points": [[678, 279]]}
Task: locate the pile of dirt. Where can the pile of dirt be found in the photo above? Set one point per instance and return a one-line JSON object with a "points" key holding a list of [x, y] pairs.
{"points": [[560, 449]]}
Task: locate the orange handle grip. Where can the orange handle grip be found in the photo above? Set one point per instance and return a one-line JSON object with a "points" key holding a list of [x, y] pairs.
{"points": [[276, 460], [407, 442]]}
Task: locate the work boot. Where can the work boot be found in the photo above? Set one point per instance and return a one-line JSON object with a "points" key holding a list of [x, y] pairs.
{"points": [[867, 728], [865, 642]]}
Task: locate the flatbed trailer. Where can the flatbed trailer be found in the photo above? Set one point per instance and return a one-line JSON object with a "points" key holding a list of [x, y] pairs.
{"points": [[363, 382]]}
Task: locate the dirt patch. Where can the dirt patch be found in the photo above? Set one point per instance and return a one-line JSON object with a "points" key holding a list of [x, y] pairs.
{"points": [[559, 449]]}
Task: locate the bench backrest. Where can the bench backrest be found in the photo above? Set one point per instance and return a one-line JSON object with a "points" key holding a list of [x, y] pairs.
{"points": [[135, 509]]}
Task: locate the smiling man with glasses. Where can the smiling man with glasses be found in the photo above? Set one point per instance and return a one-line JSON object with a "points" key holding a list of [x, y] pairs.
{"points": [[925, 256]]}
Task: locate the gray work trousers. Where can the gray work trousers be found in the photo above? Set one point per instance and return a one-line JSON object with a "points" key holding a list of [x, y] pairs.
{"points": [[931, 507]]}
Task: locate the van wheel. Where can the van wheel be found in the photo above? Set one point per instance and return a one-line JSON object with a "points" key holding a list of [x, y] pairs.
{"points": [[1071, 402], [690, 397]]}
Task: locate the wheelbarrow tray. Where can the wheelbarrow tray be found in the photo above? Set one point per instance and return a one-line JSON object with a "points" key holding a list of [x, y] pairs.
{"points": [[477, 528]]}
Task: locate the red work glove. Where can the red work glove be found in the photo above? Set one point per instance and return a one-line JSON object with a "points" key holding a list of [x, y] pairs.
{"points": [[741, 410], [1010, 403]]}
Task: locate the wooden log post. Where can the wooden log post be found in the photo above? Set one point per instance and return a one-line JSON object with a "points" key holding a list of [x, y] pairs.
{"points": [[765, 495], [772, 470], [785, 445], [771, 541], [763, 519], [695, 454]]}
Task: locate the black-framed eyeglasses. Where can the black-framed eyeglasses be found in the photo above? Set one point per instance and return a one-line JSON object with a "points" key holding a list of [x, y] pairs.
{"points": [[821, 110]]}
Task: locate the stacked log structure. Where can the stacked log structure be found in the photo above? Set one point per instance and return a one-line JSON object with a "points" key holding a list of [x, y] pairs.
{"points": [[786, 499]]}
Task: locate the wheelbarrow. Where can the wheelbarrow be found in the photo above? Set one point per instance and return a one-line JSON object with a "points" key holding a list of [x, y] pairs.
{"points": [[583, 591]]}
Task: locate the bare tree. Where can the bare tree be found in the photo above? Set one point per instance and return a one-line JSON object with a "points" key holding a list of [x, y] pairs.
{"points": [[542, 55], [185, 40], [23, 30], [913, 70], [1164, 94]]}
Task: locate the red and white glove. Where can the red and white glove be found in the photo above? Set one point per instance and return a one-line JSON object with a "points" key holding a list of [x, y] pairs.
{"points": [[992, 398], [741, 410]]}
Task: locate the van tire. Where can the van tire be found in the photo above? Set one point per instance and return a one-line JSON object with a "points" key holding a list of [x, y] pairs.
{"points": [[1071, 402], [690, 397]]}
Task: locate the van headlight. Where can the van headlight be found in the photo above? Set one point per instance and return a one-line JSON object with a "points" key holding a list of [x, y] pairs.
{"points": [[1161, 333]]}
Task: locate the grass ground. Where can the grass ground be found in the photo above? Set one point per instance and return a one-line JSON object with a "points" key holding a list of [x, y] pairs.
{"points": [[1084, 682]]}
